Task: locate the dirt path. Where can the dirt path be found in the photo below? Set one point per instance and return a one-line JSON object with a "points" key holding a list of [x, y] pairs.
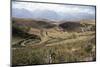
{"points": [[82, 38], [50, 41], [61, 42]]}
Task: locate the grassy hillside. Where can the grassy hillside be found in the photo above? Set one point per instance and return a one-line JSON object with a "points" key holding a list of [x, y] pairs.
{"points": [[44, 43], [32, 23]]}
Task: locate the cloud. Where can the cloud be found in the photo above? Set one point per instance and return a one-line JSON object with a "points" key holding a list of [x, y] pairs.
{"points": [[54, 7], [59, 9]]}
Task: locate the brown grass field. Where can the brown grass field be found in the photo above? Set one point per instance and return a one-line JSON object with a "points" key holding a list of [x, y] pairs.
{"points": [[35, 45]]}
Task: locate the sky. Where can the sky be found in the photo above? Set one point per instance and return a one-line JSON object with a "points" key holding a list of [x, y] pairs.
{"points": [[52, 11]]}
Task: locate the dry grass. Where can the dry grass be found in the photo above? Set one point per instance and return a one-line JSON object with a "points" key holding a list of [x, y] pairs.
{"points": [[70, 47], [57, 47]]}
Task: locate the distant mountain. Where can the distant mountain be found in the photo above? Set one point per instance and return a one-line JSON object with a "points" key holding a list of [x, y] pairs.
{"points": [[49, 14], [21, 13], [77, 16], [44, 14]]}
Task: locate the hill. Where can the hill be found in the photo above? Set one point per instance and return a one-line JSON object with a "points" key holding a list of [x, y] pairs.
{"points": [[78, 26], [32, 23], [39, 40]]}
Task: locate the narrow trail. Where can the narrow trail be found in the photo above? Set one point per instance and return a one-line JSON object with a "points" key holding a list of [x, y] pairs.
{"points": [[27, 41], [69, 41], [50, 41], [60, 41]]}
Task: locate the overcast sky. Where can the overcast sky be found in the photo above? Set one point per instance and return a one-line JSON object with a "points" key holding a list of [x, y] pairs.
{"points": [[61, 10]]}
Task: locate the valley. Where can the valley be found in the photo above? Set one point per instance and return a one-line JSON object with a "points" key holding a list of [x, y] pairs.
{"points": [[44, 42]]}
